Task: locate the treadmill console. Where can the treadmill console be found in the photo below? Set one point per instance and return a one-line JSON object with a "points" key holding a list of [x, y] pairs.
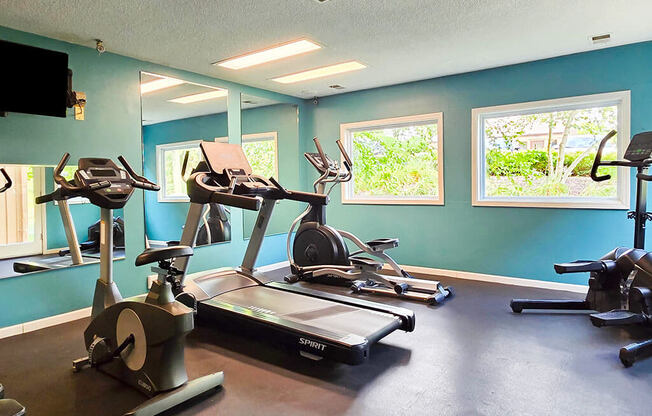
{"points": [[315, 160], [640, 148], [94, 170]]}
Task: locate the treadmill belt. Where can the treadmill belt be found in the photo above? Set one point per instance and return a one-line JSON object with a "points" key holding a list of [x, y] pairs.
{"points": [[313, 312]]}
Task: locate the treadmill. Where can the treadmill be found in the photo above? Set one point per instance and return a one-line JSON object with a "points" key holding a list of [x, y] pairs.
{"points": [[314, 324]]}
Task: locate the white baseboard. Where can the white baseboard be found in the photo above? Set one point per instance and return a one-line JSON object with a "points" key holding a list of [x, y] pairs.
{"points": [[30, 326], [432, 274]]}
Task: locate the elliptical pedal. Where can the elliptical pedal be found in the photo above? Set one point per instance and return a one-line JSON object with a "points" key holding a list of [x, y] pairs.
{"points": [[616, 318]]}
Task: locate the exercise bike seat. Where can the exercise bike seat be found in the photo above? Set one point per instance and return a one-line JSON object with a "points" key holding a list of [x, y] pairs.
{"points": [[365, 263], [155, 255], [383, 243]]}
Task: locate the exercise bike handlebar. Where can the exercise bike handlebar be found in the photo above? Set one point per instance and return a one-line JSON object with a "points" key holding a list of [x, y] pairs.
{"points": [[597, 162], [67, 189], [138, 181], [8, 181]]}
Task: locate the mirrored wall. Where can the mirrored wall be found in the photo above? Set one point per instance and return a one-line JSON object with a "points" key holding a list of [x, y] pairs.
{"points": [[270, 140], [176, 116], [37, 237]]}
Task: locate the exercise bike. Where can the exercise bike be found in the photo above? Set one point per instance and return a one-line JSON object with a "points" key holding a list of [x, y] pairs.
{"points": [[8, 407], [139, 341], [609, 274], [320, 253]]}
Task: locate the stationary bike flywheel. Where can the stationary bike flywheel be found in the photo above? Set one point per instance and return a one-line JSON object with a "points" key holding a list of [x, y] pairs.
{"points": [[319, 245], [129, 323]]}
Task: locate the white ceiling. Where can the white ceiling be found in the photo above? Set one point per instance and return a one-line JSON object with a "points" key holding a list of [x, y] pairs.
{"points": [[400, 40]]}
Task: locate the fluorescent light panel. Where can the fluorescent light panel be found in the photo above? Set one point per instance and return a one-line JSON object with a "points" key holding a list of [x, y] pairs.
{"points": [[270, 54], [322, 72], [202, 96], [159, 84]]}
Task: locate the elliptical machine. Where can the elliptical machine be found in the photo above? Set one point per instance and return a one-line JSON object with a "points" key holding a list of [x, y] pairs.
{"points": [[8, 407], [636, 303], [320, 254], [608, 275], [139, 341]]}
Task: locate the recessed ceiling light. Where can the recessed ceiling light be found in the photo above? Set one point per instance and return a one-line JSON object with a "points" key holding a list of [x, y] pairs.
{"points": [[320, 72], [159, 84], [202, 96], [273, 53]]}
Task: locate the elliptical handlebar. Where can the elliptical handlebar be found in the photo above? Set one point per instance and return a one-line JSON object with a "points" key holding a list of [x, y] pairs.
{"points": [[322, 155], [67, 189], [597, 162], [348, 163], [8, 181]]}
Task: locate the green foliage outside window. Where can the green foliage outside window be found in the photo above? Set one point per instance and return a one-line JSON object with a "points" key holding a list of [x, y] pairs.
{"points": [[399, 162], [261, 155], [175, 183], [562, 166]]}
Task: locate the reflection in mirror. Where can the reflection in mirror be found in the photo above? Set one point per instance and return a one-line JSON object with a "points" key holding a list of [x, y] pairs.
{"points": [[270, 140], [37, 237], [176, 116]]}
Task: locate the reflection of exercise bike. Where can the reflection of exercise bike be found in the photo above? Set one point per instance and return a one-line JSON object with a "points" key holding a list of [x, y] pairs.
{"points": [[141, 340], [611, 277], [92, 244], [8, 407], [320, 253]]}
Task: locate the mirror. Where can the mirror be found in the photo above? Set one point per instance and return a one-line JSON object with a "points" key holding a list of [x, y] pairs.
{"points": [[34, 237], [270, 139], [176, 116]]}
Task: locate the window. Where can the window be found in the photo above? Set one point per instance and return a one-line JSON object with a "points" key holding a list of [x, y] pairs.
{"points": [[169, 164], [20, 217], [395, 161], [539, 154], [262, 153], [261, 150]]}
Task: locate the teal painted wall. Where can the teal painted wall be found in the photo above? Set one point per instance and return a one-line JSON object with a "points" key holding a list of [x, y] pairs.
{"points": [[520, 242], [112, 127]]}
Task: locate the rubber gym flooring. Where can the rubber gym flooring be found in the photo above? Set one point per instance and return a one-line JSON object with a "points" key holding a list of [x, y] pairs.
{"points": [[471, 356]]}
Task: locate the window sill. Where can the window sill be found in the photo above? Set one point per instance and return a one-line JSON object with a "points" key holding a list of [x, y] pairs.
{"points": [[373, 201], [605, 205]]}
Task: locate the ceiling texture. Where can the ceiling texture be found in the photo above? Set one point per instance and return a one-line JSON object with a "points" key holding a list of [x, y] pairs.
{"points": [[399, 40]]}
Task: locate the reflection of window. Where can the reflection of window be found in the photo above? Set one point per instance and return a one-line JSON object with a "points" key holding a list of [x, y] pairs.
{"points": [[261, 151], [169, 164], [395, 161], [541, 153], [20, 217]]}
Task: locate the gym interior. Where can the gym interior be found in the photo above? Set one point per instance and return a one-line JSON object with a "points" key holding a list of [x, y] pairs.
{"points": [[325, 207]]}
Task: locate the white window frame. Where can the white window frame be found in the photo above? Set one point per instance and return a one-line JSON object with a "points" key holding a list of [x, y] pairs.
{"points": [[345, 134], [622, 201], [257, 137], [160, 166]]}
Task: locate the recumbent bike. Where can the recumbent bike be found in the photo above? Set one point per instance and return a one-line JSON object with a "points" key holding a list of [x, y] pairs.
{"points": [[619, 282]]}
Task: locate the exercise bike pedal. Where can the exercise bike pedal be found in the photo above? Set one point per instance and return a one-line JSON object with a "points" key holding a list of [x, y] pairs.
{"points": [[616, 318]]}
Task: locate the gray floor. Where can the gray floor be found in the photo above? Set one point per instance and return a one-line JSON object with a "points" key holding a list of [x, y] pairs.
{"points": [[470, 356]]}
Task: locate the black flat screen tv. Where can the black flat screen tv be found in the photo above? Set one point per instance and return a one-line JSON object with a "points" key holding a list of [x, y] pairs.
{"points": [[33, 80]]}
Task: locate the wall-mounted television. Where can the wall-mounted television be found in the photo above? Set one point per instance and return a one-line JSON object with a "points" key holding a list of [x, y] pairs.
{"points": [[33, 80]]}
